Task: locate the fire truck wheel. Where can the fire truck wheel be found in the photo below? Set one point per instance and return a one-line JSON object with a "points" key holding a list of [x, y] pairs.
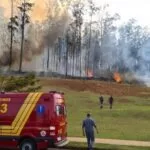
{"points": [[27, 145]]}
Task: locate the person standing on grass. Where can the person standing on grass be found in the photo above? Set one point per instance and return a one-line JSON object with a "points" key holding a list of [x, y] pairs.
{"points": [[101, 100], [111, 100], [88, 126]]}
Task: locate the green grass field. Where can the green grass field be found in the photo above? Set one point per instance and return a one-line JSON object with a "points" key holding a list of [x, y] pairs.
{"points": [[83, 146], [129, 119]]}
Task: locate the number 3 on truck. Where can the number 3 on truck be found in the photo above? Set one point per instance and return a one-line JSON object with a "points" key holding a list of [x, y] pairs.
{"points": [[3, 108]]}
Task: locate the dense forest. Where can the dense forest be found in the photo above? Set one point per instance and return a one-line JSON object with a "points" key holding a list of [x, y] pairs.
{"points": [[77, 38]]}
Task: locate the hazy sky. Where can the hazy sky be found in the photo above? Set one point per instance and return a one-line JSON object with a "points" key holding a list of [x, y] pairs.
{"points": [[138, 9], [38, 10]]}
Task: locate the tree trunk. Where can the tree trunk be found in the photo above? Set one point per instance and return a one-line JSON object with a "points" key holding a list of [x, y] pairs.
{"points": [[88, 66], [48, 57], [73, 54], [59, 55], [67, 50], [80, 51], [11, 38], [22, 39]]}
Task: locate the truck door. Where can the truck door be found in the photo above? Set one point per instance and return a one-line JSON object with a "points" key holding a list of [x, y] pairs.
{"points": [[61, 117], [9, 108], [4, 120]]}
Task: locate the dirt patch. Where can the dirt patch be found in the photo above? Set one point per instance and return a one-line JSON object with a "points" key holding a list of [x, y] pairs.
{"points": [[101, 87]]}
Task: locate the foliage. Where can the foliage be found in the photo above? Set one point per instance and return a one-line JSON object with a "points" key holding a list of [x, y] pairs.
{"points": [[25, 83], [132, 38], [80, 37], [133, 35], [24, 8], [13, 24]]}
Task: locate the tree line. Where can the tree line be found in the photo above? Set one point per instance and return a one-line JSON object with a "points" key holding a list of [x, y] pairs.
{"points": [[92, 43]]}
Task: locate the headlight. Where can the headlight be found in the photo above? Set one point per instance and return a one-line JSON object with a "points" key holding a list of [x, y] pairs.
{"points": [[52, 128], [59, 138]]}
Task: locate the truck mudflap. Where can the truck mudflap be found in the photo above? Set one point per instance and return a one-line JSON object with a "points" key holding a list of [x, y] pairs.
{"points": [[62, 143]]}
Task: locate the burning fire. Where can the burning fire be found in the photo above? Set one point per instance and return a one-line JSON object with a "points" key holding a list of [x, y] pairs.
{"points": [[40, 9], [117, 77], [89, 73]]}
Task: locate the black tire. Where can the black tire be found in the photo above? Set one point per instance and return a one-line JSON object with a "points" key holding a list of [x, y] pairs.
{"points": [[27, 145]]}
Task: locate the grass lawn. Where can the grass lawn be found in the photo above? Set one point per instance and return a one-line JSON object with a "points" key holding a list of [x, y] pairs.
{"points": [[83, 146], [129, 119]]}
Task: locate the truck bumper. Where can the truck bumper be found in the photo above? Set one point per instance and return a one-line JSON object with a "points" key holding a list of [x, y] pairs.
{"points": [[50, 142], [61, 143]]}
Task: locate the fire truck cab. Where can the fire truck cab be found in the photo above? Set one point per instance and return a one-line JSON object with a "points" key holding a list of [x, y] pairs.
{"points": [[32, 121]]}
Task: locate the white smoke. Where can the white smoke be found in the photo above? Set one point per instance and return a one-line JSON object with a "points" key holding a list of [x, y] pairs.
{"points": [[37, 34], [144, 62]]}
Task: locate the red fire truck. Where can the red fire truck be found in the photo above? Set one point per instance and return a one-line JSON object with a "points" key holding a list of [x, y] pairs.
{"points": [[32, 121]]}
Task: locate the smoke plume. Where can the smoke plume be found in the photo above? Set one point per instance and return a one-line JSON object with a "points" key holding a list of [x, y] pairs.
{"points": [[49, 20]]}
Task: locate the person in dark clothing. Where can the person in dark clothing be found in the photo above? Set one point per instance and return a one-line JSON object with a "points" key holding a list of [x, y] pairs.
{"points": [[101, 100], [88, 126], [111, 101]]}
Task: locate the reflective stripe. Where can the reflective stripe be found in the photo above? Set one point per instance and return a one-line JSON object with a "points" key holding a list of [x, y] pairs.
{"points": [[22, 116]]}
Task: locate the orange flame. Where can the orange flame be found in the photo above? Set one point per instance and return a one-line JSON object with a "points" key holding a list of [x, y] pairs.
{"points": [[117, 77], [89, 73], [40, 9]]}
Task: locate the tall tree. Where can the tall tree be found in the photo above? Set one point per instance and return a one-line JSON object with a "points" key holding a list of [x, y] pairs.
{"points": [[76, 29], [92, 11], [106, 36], [78, 20], [67, 52], [12, 27], [24, 8], [99, 38], [132, 38]]}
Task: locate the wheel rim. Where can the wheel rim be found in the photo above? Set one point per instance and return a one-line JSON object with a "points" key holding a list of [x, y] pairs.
{"points": [[27, 146]]}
